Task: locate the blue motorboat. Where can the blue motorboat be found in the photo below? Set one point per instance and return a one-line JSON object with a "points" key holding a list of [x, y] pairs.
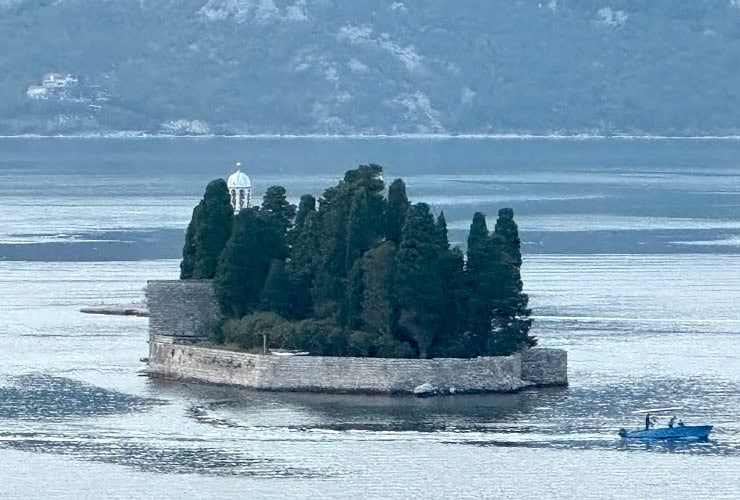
{"points": [[673, 430]]}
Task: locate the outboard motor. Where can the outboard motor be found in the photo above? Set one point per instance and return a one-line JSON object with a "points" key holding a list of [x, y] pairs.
{"points": [[622, 432]]}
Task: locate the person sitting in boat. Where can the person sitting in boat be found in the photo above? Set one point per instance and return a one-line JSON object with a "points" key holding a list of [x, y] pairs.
{"points": [[671, 421], [680, 423]]}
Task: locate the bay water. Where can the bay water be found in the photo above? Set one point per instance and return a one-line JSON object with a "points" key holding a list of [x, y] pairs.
{"points": [[631, 259]]}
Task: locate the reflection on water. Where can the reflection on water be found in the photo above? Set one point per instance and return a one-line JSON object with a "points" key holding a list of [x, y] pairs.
{"points": [[45, 397], [236, 431], [148, 458]]}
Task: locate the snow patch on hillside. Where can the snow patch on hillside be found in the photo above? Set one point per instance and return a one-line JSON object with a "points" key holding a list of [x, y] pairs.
{"points": [[186, 127], [398, 6], [610, 17], [266, 10], [8, 4], [331, 74], [307, 59], [357, 66], [418, 108], [260, 11], [468, 95], [363, 35], [297, 11]]}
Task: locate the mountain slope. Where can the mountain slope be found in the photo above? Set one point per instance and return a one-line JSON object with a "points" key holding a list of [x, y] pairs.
{"points": [[330, 66]]}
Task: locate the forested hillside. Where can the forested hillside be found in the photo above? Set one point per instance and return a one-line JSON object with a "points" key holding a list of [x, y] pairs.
{"points": [[663, 67]]}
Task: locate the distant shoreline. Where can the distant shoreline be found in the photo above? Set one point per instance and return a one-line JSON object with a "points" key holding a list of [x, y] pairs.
{"points": [[133, 134]]}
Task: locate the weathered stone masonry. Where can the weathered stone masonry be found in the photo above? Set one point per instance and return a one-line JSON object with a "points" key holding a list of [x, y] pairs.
{"points": [[184, 311], [181, 310]]}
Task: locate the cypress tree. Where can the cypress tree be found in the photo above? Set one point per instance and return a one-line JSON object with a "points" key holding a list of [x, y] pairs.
{"points": [[480, 280], [351, 307], [365, 218], [245, 262], [275, 206], [306, 206], [418, 280], [363, 232], [304, 256], [442, 238], [511, 315], [398, 205], [188, 250], [236, 280], [452, 341], [331, 237], [208, 231], [477, 242], [360, 234], [276, 294], [379, 297], [350, 220]]}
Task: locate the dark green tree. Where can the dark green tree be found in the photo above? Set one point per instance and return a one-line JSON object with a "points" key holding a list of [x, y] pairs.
{"points": [[356, 290], [306, 207], [450, 340], [351, 307], [480, 280], [207, 233], [245, 262], [331, 237], [188, 250], [236, 281], [276, 294], [304, 257], [511, 315], [350, 222], [398, 205], [276, 207], [418, 280], [477, 243], [442, 237], [379, 297]]}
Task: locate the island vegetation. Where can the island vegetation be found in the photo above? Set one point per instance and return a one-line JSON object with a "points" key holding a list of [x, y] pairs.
{"points": [[358, 273]]}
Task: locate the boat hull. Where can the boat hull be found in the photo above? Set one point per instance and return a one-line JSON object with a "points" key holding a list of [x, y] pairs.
{"points": [[679, 432]]}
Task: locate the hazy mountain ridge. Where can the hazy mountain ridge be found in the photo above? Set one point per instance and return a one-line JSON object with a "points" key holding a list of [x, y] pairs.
{"points": [[328, 66]]}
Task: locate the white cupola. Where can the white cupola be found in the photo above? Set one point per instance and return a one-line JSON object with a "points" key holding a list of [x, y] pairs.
{"points": [[240, 189]]}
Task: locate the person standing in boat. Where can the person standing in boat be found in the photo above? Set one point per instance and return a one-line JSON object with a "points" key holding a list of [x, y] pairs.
{"points": [[671, 421], [647, 421]]}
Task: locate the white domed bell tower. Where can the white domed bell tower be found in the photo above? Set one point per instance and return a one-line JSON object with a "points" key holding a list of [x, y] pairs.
{"points": [[240, 189]]}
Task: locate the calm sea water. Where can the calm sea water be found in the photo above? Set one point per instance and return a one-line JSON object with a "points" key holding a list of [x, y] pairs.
{"points": [[632, 261]]}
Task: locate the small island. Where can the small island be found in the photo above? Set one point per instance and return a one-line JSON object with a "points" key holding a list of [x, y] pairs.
{"points": [[366, 283]]}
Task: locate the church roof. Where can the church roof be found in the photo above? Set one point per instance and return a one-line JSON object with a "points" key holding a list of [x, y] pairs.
{"points": [[239, 180]]}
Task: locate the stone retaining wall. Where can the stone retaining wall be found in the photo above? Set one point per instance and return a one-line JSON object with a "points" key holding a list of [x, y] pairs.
{"points": [[181, 310], [363, 375]]}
